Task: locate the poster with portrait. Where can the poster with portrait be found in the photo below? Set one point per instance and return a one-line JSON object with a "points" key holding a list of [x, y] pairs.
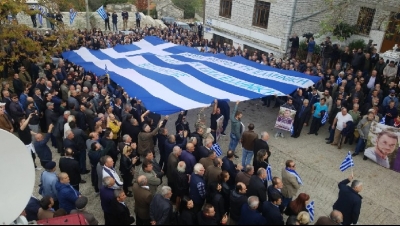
{"points": [[285, 119], [383, 146], [220, 123]]}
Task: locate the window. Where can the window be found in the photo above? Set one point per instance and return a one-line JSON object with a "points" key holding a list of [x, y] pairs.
{"points": [[261, 13], [365, 19], [221, 40], [225, 8]]}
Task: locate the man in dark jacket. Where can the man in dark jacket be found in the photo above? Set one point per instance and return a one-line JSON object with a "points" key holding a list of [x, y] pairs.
{"points": [[237, 199], [271, 210], [161, 208], [225, 111], [349, 200], [58, 131], [300, 118], [41, 148], [230, 167], [70, 166], [276, 187], [256, 186], [120, 212]]}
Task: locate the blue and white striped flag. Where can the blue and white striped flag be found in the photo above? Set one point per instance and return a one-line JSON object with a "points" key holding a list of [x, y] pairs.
{"points": [[269, 173], [383, 120], [217, 149], [102, 12], [324, 118], [72, 15], [347, 162], [310, 209]]}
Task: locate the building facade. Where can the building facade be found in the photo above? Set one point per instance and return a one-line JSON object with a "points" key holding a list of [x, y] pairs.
{"points": [[267, 25]]}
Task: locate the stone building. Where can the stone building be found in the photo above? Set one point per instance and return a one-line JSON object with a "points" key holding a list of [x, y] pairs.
{"points": [[267, 25]]}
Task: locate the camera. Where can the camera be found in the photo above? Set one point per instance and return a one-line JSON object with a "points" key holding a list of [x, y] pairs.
{"points": [[308, 36]]}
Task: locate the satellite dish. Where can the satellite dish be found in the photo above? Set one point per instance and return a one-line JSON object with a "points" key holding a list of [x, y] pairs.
{"points": [[19, 171]]}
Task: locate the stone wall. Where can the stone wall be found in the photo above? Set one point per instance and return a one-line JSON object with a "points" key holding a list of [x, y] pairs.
{"points": [[308, 15], [165, 8]]}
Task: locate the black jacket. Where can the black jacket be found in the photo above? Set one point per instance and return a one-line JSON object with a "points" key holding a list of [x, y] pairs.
{"points": [[58, 130], [348, 203], [160, 210], [271, 189], [71, 167], [126, 165], [51, 117], [120, 214], [272, 214], [257, 188], [258, 145], [236, 203], [131, 130]]}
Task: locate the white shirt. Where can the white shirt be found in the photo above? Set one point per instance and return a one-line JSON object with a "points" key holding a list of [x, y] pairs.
{"points": [[370, 153], [371, 82], [66, 128], [342, 119]]}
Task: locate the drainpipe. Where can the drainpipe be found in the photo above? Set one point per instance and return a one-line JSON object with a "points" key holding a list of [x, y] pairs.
{"points": [[290, 27]]}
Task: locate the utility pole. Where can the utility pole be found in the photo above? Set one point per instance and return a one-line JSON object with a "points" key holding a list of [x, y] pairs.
{"points": [[204, 12], [87, 14], [148, 7]]}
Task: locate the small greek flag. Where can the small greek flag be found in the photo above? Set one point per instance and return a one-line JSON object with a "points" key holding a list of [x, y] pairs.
{"points": [[269, 173], [102, 12], [105, 69], [347, 162], [310, 209], [217, 149], [72, 15], [324, 118], [383, 120], [339, 81]]}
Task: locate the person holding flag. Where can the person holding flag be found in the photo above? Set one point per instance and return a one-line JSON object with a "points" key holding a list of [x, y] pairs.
{"points": [[349, 201]]}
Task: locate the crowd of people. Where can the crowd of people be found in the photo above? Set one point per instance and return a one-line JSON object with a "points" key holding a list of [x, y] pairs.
{"points": [[90, 119]]}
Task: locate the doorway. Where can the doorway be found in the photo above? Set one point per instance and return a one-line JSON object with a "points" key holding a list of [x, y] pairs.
{"points": [[391, 37]]}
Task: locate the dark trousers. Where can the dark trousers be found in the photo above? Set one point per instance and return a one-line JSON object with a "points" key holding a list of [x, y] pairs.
{"points": [[315, 124], [33, 158], [214, 134], [107, 24], [53, 141], [286, 201], [60, 145], [298, 126], [137, 23], [331, 134], [107, 218], [34, 22], [127, 178], [140, 221], [56, 205], [161, 162], [267, 100], [82, 161], [95, 179]]}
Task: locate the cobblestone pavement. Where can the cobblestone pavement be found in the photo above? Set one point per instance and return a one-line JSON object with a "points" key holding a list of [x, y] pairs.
{"points": [[316, 162]]}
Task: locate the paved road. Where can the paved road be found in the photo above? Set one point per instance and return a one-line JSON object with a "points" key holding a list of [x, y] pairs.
{"points": [[316, 162]]}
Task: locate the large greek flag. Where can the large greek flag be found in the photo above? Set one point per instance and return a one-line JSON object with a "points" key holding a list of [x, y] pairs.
{"points": [[170, 78]]}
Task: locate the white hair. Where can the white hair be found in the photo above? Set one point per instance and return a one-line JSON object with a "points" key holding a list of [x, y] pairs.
{"points": [[71, 118], [67, 112], [165, 190], [197, 168], [253, 201], [181, 167], [207, 141], [176, 150], [68, 132]]}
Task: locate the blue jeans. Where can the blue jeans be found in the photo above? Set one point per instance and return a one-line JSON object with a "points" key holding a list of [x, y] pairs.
{"points": [[360, 146], [233, 143], [331, 134], [246, 157]]}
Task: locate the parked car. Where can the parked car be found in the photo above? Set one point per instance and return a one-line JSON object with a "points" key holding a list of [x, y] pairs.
{"points": [[183, 25], [168, 20]]}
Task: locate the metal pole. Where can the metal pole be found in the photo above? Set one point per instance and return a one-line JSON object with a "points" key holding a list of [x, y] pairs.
{"points": [[87, 14], [148, 7], [290, 27], [204, 12]]}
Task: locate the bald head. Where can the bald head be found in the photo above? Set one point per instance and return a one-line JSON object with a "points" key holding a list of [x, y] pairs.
{"points": [[336, 216], [142, 180]]}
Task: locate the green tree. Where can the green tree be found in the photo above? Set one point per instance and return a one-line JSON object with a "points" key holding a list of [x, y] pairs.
{"points": [[189, 7], [336, 12]]}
